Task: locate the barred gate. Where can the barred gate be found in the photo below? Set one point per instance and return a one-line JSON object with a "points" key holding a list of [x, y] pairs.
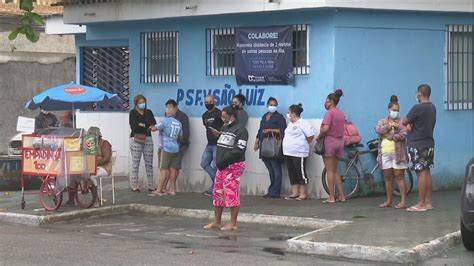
{"points": [[107, 69]]}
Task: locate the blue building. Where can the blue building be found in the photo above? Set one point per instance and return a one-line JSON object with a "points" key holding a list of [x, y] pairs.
{"points": [[370, 50]]}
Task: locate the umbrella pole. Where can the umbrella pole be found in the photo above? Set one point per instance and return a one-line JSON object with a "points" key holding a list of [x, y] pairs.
{"points": [[73, 116]]}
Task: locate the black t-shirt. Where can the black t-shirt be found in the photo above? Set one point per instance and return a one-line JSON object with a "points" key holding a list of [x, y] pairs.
{"points": [[423, 119], [212, 119], [136, 118]]}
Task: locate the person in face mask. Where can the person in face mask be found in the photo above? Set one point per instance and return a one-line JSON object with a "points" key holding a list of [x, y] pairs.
{"points": [[272, 125], [332, 129], [238, 104], [230, 162], [298, 135], [392, 153], [141, 121], [211, 119], [45, 119]]}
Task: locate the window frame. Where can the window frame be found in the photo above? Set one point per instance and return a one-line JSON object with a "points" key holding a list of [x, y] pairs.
{"points": [[456, 83], [162, 51]]}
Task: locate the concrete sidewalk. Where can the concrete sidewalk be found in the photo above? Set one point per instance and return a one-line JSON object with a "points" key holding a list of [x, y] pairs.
{"points": [[384, 229]]}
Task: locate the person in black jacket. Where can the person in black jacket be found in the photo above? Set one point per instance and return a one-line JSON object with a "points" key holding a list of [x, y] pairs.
{"points": [[141, 120], [230, 162]]}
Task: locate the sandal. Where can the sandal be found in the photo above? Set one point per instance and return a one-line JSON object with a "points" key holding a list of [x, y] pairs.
{"points": [[292, 197], [416, 209], [328, 202], [228, 228], [301, 199], [400, 206], [385, 205]]}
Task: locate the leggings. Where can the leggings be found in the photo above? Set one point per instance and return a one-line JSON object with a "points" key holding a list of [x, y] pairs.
{"points": [[137, 149]]}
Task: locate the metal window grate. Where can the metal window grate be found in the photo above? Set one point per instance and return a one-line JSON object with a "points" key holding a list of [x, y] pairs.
{"points": [[159, 57], [107, 69], [220, 52], [459, 71], [220, 48]]}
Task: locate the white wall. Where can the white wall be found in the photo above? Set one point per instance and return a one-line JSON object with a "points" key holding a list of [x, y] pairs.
{"points": [[115, 129]]}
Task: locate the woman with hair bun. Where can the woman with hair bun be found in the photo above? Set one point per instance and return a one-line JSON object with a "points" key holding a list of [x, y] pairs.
{"points": [[298, 134], [392, 153], [332, 129]]}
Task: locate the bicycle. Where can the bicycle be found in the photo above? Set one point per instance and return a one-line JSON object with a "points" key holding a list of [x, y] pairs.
{"points": [[351, 167], [85, 193]]}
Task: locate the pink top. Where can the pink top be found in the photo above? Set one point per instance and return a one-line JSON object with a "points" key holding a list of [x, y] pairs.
{"points": [[334, 118]]}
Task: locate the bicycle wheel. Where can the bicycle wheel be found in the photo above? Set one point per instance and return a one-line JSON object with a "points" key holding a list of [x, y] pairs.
{"points": [[350, 178], [50, 196], [408, 177], [86, 194]]}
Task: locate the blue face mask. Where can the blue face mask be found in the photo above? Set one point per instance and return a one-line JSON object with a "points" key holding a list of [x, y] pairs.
{"points": [[141, 106], [394, 115], [272, 108]]}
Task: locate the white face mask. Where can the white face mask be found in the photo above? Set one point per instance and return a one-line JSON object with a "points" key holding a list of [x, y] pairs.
{"points": [[272, 108], [394, 114]]}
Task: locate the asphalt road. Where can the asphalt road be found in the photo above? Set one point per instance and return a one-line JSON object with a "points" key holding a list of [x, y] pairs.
{"points": [[128, 239]]}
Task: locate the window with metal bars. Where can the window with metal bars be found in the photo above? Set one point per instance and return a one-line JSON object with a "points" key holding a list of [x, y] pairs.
{"points": [[220, 47], [459, 71], [107, 68], [159, 57]]}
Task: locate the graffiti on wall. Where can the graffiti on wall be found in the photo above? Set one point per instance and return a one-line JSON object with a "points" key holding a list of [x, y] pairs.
{"points": [[195, 97]]}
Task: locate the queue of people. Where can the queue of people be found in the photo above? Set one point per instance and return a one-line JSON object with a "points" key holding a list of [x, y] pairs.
{"points": [[281, 140]]}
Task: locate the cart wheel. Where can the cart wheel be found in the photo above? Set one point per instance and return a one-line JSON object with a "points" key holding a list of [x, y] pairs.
{"points": [[50, 196], [86, 194]]}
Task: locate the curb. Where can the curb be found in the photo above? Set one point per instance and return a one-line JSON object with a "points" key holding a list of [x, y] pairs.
{"points": [[38, 220], [377, 254], [289, 221], [23, 219]]}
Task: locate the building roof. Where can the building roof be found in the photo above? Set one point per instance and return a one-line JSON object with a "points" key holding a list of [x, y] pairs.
{"points": [[88, 11]]}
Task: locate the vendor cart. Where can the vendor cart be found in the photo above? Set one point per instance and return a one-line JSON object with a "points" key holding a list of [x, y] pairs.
{"points": [[65, 160]]}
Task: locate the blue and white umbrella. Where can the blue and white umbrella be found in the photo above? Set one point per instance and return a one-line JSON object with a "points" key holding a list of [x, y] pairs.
{"points": [[73, 96]]}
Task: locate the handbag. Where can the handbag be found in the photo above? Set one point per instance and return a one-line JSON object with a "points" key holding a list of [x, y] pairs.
{"points": [[319, 146], [139, 138], [271, 147]]}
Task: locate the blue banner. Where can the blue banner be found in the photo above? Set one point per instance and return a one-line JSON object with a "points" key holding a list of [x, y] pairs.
{"points": [[264, 55]]}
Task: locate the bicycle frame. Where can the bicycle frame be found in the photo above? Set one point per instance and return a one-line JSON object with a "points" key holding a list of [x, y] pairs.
{"points": [[358, 162]]}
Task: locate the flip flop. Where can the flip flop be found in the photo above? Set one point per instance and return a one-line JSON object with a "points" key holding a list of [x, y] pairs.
{"points": [[416, 209], [398, 206], [385, 205], [430, 208], [301, 199], [292, 197], [228, 228], [212, 226], [328, 202]]}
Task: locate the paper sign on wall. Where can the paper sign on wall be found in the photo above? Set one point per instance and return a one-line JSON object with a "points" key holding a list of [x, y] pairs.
{"points": [[25, 124]]}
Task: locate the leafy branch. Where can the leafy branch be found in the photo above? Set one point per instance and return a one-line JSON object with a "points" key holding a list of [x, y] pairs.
{"points": [[28, 20]]}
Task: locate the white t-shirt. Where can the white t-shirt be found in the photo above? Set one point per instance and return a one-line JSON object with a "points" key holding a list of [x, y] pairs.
{"points": [[294, 142]]}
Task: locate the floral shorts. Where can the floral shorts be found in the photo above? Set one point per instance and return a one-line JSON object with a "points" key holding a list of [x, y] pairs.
{"points": [[226, 191], [421, 158]]}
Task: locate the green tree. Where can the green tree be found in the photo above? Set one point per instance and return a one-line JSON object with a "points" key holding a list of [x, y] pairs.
{"points": [[28, 20]]}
